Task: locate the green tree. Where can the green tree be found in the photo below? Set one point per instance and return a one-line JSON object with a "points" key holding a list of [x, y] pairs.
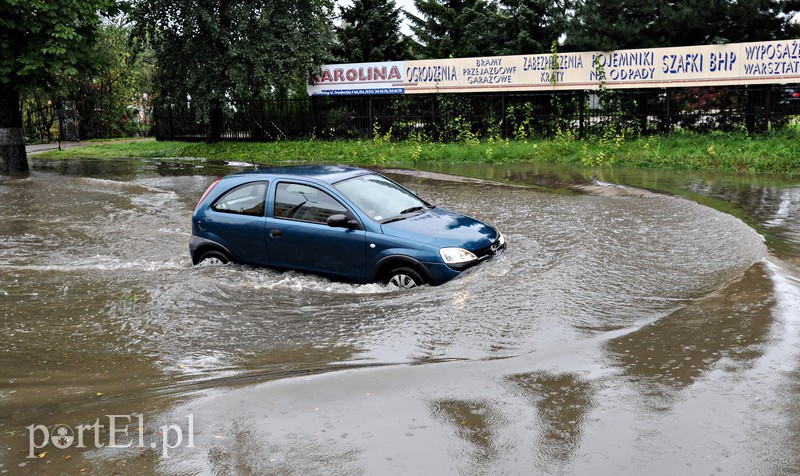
{"points": [[622, 24], [698, 22], [531, 26], [758, 20], [614, 24], [456, 28], [117, 87], [42, 41], [370, 31], [112, 95], [215, 50]]}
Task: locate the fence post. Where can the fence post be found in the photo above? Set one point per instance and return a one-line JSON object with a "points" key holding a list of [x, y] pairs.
{"points": [[60, 115], [314, 113], [581, 113], [503, 121], [433, 117], [371, 127], [262, 122], [169, 118], [76, 125], [750, 117], [155, 122], [767, 105], [643, 112]]}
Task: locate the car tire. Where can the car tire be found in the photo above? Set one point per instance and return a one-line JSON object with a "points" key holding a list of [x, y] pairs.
{"points": [[213, 258], [403, 278]]}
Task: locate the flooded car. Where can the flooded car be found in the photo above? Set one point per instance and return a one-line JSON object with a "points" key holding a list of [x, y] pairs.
{"points": [[346, 223]]}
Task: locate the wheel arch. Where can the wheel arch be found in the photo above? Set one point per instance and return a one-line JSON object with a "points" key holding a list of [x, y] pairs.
{"points": [[389, 262], [210, 246]]}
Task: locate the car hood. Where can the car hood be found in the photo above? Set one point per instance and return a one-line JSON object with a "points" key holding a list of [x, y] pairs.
{"points": [[443, 228]]}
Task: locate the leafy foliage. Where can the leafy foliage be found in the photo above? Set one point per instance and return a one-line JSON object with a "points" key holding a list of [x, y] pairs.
{"points": [[43, 40], [456, 28], [210, 50], [112, 96], [608, 25], [621, 24], [116, 93], [370, 31], [531, 26], [215, 49]]}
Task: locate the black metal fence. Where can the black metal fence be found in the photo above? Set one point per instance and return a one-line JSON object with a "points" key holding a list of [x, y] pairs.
{"points": [[453, 117], [48, 122]]}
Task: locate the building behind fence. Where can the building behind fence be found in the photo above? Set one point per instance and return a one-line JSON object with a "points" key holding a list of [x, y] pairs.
{"points": [[454, 117]]}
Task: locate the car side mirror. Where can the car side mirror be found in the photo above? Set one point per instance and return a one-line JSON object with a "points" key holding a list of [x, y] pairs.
{"points": [[340, 220]]}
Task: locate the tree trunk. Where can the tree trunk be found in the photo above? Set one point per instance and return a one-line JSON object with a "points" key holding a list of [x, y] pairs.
{"points": [[214, 132], [13, 160]]}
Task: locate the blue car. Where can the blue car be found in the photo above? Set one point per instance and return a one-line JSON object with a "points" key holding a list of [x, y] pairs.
{"points": [[345, 223]]}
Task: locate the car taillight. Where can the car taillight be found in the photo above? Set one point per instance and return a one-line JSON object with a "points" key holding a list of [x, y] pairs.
{"points": [[210, 187], [796, 94]]}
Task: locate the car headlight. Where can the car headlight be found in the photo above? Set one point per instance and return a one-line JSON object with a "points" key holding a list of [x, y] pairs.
{"points": [[501, 240], [456, 256]]}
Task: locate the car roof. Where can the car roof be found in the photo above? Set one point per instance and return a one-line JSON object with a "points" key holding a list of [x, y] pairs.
{"points": [[326, 173]]}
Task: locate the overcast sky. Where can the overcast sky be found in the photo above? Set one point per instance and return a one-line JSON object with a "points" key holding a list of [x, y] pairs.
{"points": [[407, 5]]}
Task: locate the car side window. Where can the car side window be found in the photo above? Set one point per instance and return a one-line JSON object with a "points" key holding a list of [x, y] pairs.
{"points": [[247, 199], [301, 202]]}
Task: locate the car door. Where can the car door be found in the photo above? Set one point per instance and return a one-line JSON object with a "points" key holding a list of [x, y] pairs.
{"points": [[298, 236]]}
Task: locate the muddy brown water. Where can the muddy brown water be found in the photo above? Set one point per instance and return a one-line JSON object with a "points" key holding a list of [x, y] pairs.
{"points": [[641, 322]]}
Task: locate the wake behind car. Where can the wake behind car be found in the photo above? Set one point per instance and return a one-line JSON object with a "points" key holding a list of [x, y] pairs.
{"points": [[346, 223]]}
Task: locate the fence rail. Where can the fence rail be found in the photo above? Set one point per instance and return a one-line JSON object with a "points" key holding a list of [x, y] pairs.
{"points": [[453, 117], [49, 122]]}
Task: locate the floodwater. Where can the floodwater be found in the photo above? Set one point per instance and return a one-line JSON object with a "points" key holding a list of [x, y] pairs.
{"points": [[640, 322]]}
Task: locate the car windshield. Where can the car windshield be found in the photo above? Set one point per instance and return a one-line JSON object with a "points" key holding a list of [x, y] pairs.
{"points": [[380, 198]]}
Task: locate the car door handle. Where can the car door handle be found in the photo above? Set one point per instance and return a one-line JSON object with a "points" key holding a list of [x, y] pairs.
{"points": [[275, 233]]}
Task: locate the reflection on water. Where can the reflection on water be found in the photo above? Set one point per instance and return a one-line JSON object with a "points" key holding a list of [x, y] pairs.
{"points": [[476, 423], [240, 448], [616, 320], [670, 354], [562, 404]]}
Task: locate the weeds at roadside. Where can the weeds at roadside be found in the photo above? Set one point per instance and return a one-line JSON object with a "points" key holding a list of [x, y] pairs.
{"points": [[735, 152]]}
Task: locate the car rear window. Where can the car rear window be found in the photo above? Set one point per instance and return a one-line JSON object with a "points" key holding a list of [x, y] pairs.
{"points": [[247, 199]]}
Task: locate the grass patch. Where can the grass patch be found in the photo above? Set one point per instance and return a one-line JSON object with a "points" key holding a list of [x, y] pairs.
{"points": [[777, 153]]}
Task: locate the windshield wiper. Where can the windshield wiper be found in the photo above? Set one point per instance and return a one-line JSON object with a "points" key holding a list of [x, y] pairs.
{"points": [[412, 210], [402, 215]]}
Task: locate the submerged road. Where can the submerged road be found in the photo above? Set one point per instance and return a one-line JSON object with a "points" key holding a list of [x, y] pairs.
{"points": [[623, 332]]}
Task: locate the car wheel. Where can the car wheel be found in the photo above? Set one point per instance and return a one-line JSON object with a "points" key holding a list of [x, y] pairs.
{"points": [[403, 278], [213, 258]]}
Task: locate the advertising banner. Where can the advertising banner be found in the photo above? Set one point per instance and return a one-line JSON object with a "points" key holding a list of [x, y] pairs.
{"points": [[358, 79], [709, 65]]}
